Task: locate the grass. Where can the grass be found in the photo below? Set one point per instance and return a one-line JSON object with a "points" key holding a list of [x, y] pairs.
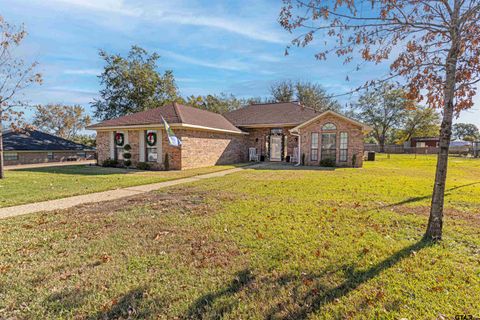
{"points": [[259, 244], [40, 184]]}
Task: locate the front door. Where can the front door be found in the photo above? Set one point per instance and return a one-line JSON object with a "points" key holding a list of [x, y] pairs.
{"points": [[275, 148]]}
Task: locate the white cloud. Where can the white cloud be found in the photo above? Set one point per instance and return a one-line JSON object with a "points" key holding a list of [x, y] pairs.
{"points": [[232, 65], [179, 14], [112, 6], [248, 28]]}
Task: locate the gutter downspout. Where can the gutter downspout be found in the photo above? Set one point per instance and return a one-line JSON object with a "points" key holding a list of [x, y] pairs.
{"points": [[299, 143]]}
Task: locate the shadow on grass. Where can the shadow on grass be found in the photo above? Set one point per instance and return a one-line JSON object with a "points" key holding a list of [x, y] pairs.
{"points": [[314, 299], [65, 300], [128, 306], [204, 308], [420, 198]]}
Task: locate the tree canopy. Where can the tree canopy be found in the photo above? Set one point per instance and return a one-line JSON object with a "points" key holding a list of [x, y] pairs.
{"points": [[420, 121], [384, 110], [466, 132], [307, 93], [132, 84], [61, 120]]}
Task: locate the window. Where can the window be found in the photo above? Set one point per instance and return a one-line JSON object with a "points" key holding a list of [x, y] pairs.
{"points": [[119, 139], [329, 126], [420, 144], [151, 145], [314, 147], [50, 155], [329, 146], [343, 146], [10, 156], [82, 155]]}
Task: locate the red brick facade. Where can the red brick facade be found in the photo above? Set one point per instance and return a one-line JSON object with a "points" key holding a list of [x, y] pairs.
{"points": [[202, 148], [354, 142], [199, 148]]}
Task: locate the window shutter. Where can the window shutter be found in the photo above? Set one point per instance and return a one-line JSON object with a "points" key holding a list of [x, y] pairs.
{"points": [[141, 145], [112, 145]]}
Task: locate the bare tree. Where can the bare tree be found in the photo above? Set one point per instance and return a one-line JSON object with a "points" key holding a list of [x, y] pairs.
{"points": [[61, 120], [15, 76], [437, 52]]}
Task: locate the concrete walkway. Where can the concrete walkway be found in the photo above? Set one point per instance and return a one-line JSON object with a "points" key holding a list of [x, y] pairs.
{"points": [[70, 202]]}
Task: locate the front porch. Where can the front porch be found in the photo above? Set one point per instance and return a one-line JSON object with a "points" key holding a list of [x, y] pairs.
{"points": [[272, 144]]}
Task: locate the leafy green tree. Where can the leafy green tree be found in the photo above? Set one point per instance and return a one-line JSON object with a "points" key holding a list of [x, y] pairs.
{"points": [[215, 103], [384, 110], [85, 139], [421, 121], [61, 120], [315, 96], [309, 94], [466, 132], [282, 91], [132, 84]]}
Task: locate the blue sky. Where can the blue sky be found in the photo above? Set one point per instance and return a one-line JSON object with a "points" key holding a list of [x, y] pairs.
{"points": [[211, 46]]}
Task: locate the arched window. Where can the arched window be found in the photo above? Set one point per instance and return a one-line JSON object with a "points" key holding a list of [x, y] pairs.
{"points": [[329, 126]]}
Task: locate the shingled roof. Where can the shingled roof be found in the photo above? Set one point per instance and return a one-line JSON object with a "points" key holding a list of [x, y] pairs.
{"points": [[285, 113], [34, 140], [174, 114]]}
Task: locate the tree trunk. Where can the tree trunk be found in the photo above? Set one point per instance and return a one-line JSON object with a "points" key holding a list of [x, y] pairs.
{"points": [[382, 145], [435, 221], [1, 147]]}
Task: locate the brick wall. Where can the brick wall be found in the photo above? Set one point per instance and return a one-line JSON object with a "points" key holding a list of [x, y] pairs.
{"points": [[103, 145], [42, 157], [204, 148], [355, 140]]}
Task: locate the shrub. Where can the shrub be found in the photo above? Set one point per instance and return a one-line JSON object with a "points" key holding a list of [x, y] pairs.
{"points": [[354, 160], [127, 147], [143, 166], [110, 163], [127, 155], [127, 163], [327, 163], [303, 159], [166, 163]]}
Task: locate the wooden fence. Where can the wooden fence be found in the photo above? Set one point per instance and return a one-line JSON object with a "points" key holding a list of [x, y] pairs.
{"points": [[400, 149]]}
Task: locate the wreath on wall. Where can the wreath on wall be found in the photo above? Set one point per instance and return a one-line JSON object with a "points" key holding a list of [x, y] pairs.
{"points": [[151, 139], [119, 139]]}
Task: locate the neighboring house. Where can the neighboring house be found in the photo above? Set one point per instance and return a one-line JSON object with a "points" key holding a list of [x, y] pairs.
{"points": [[423, 142], [33, 146], [276, 131]]}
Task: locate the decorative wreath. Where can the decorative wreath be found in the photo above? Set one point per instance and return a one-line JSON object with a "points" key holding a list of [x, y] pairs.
{"points": [[119, 139], [151, 138]]}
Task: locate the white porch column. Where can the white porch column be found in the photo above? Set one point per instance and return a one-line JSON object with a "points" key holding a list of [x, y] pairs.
{"points": [[141, 145], [159, 146], [112, 145]]}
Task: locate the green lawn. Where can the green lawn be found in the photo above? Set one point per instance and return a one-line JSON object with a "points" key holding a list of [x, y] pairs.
{"points": [[39, 184], [258, 244]]}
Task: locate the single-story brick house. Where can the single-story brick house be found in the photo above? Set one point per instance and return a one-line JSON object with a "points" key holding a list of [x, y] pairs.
{"points": [[276, 132], [33, 146]]}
